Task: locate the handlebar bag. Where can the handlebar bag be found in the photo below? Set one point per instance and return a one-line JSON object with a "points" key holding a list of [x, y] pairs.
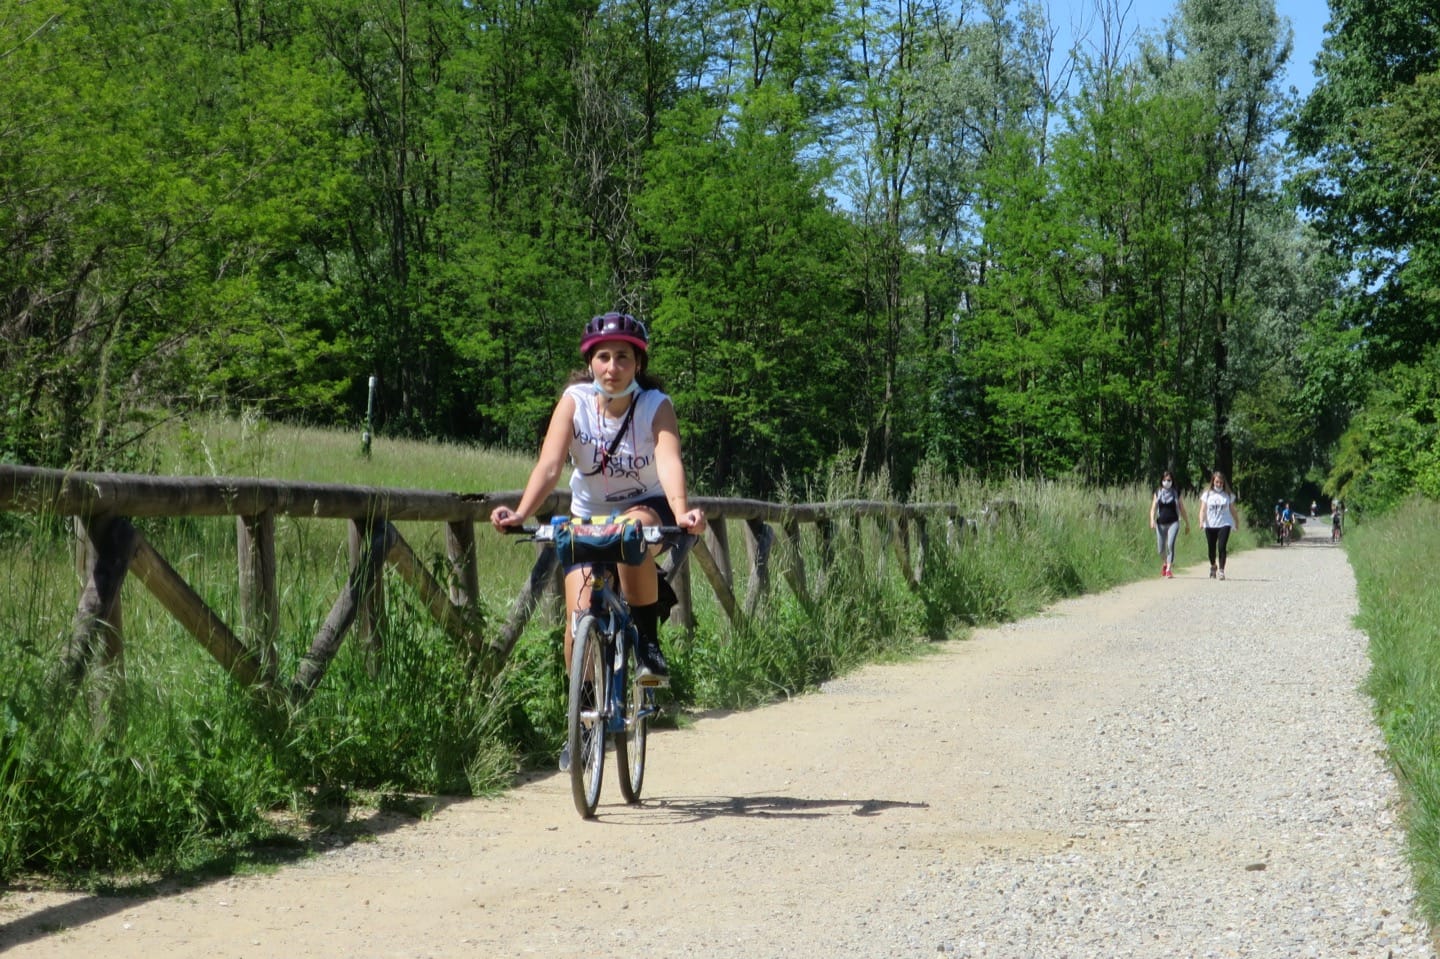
{"points": [[622, 542]]}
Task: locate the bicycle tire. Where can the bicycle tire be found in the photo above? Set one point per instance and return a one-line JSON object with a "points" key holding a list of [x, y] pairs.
{"points": [[585, 724], [630, 743]]}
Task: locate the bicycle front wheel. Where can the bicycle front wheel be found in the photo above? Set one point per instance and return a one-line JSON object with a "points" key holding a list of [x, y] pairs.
{"points": [[586, 718], [630, 744]]}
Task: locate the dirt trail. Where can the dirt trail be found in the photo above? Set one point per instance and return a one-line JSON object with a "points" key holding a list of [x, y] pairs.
{"points": [[893, 814]]}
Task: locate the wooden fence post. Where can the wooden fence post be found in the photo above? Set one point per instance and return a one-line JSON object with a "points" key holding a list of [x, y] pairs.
{"points": [[96, 638], [259, 601], [758, 539], [459, 621], [460, 548], [702, 555], [922, 546], [371, 596], [717, 539], [884, 529], [554, 595], [795, 564], [679, 580], [826, 529], [901, 539]]}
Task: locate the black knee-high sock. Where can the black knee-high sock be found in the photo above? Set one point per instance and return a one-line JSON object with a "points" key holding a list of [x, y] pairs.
{"points": [[647, 623]]}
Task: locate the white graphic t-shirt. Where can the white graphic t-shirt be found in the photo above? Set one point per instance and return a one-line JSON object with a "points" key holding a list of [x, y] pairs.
{"points": [[1217, 508], [630, 474]]}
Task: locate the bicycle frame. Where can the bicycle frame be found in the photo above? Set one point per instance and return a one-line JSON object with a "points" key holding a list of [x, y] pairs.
{"points": [[605, 703], [617, 638]]}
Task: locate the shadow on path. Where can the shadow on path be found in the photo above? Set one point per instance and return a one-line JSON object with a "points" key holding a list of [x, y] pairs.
{"points": [[684, 809]]}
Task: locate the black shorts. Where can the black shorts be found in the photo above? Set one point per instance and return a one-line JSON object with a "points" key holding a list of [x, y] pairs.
{"points": [[661, 507], [658, 504]]}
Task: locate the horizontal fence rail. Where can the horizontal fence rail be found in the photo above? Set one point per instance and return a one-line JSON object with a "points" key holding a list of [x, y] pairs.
{"points": [[104, 506]]}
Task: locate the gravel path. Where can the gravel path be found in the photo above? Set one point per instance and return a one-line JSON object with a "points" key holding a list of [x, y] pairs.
{"points": [[1180, 768]]}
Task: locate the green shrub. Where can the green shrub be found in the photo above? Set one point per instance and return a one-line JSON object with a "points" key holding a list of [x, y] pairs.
{"points": [[1395, 557]]}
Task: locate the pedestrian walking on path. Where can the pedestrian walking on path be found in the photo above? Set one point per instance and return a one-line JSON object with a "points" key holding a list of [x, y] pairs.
{"points": [[1218, 517], [1167, 511]]}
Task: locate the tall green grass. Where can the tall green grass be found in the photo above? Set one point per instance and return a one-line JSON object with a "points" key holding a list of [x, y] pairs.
{"points": [[187, 771], [1395, 558], [253, 447], [187, 774]]}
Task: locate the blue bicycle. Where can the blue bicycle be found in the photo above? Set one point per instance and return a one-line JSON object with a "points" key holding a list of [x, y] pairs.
{"points": [[605, 701]]}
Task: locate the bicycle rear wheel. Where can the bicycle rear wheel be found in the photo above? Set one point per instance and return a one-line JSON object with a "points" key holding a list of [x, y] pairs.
{"points": [[586, 718], [630, 744]]}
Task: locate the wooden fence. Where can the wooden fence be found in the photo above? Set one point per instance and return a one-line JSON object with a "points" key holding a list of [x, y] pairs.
{"points": [[104, 507]]}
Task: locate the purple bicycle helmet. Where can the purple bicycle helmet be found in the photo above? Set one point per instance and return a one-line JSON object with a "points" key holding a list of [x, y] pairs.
{"points": [[614, 326]]}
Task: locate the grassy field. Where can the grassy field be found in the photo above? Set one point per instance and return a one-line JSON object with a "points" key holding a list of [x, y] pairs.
{"points": [[181, 773], [1395, 558]]}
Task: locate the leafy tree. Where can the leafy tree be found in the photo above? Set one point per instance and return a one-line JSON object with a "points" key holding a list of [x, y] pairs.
{"points": [[1366, 130], [1130, 162], [158, 159], [1300, 386], [1229, 52], [1123, 287], [258, 205], [1371, 128], [752, 316], [941, 89], [1392, 448]]}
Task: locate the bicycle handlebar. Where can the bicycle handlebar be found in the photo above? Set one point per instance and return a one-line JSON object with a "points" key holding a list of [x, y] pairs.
{"points": [[546, 534]]}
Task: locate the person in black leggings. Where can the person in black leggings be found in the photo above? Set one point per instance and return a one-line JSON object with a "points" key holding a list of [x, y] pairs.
{"points": [[1217, 518]]}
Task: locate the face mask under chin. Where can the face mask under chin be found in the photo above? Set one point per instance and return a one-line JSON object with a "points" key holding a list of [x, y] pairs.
{"points": [[634, 387]]}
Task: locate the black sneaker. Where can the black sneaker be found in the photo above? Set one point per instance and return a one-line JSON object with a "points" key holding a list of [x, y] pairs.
{"points": [[652, 670]]}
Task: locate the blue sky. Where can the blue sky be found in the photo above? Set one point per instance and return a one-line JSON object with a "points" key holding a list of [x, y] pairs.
{"points": [[1307, 19]]}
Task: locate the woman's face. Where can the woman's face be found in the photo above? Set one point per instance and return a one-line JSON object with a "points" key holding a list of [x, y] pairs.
{"points": [[613, 364], [1217, 481]]}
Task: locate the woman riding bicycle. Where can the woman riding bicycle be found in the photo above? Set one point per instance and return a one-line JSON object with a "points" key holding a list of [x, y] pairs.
{"points": [[618, 430]]}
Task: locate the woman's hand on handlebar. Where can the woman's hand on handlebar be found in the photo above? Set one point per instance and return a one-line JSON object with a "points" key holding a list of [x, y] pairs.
{"points": [[693, 520], [503, 518]]}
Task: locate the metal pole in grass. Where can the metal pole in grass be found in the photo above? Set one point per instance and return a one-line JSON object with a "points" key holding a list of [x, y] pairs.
{"points": [[369, 417]]}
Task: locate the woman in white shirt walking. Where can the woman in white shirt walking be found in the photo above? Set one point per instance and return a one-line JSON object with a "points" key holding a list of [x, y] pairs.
{"points": [[1217, 518]]}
